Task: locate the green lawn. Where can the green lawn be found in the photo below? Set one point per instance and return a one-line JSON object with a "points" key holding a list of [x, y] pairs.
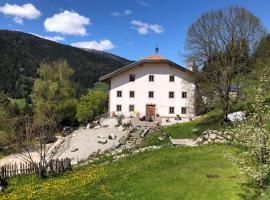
{"points": [[200, 173], [193, 129]]}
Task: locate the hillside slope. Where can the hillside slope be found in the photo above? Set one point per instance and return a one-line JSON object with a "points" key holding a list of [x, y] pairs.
{"points": [[21, 53]]}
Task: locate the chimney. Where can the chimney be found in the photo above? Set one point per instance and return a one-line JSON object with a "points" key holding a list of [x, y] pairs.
{"points": [[191, 65]]}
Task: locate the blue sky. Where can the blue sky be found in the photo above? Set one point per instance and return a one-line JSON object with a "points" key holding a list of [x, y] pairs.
{"points": [[128, 28]]}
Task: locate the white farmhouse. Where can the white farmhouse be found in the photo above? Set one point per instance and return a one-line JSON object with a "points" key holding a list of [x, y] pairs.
{"points": [[154, 86]]}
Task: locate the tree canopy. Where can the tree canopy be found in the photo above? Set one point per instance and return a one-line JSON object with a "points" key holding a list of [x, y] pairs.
{"points": [[221, 43], [93, 103], [53, 93]]}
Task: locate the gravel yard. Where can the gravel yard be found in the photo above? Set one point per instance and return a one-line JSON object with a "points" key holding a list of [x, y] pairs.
{"points": [[83, 142]]}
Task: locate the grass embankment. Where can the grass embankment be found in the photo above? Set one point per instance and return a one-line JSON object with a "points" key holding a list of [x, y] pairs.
{"points": [[188, 130], [170, 173], [195, 128]]}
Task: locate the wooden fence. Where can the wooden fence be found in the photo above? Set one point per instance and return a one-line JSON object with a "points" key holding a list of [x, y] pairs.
{"points": [[25, 168]]}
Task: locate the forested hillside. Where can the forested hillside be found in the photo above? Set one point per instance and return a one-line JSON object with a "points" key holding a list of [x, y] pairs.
{"points": [[21, 54]]}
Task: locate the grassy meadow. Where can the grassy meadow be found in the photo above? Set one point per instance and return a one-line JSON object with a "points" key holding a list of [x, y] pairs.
{"points": [[169, 173]]}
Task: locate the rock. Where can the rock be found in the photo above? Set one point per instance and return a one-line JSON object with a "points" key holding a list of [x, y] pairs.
{"points": [[195, 130], [138, 141], [126, 122], [161, 138], [199, 140], [74, 162], [144, 132], [157, 123], [88, 126], [121, 128], [237, 116], [97, 127], [131, 129], [164, 135], [212, 136], [96, 153], [112, 136], [102, 141], [101, 136], [122, 140], [74, 150], [117, 145]]}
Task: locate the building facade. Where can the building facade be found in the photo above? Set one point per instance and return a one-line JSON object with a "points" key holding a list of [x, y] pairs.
{"points": [[154, 86]]}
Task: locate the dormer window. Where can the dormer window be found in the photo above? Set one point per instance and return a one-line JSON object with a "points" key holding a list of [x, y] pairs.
{"points": [[131, 77], [171, 78]]}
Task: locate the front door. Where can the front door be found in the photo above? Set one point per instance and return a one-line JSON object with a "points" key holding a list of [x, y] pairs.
{"points": [[150, 110]]}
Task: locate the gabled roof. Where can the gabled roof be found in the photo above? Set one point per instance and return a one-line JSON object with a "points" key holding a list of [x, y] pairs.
{"points": [[151, 59]]}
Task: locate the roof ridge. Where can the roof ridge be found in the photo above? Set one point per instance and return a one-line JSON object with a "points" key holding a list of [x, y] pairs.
{"points": [[155, 57]]}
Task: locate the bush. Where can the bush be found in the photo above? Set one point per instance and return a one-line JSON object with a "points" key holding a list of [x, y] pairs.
{"points": [[91, 105]]}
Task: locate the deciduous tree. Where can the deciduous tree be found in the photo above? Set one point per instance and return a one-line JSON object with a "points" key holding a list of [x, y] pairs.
{"points": [[221, 42]]}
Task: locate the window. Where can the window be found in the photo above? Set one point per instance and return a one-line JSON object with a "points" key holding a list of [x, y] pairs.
{"points": [[119, 93], [184, 95], [184, 110], [151, 94], [171, 95], [131, 94], [171, 78], [131, 77], [171, 110], [151, 78], [131, 108], [118, 107]]}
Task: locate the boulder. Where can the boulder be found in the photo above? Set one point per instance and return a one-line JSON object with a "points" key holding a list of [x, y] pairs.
{"points": [[236, 116], [131, 129], [126, 122], [144, 132], [112, 136], [212, 136], [102, 141], [88, 125]]}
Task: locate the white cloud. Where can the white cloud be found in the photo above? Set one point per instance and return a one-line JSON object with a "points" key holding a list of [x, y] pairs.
{"points": [[26, 11], [67, 22], [144, 3], [53, 38], [101, 45], [119, 14], [144, 28]]}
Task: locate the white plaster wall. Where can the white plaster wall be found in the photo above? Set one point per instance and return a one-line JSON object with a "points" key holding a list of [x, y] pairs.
{"points": [[161, 87]]}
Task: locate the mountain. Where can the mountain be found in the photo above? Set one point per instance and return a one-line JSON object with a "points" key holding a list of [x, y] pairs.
{"points": [[21, 54]]}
